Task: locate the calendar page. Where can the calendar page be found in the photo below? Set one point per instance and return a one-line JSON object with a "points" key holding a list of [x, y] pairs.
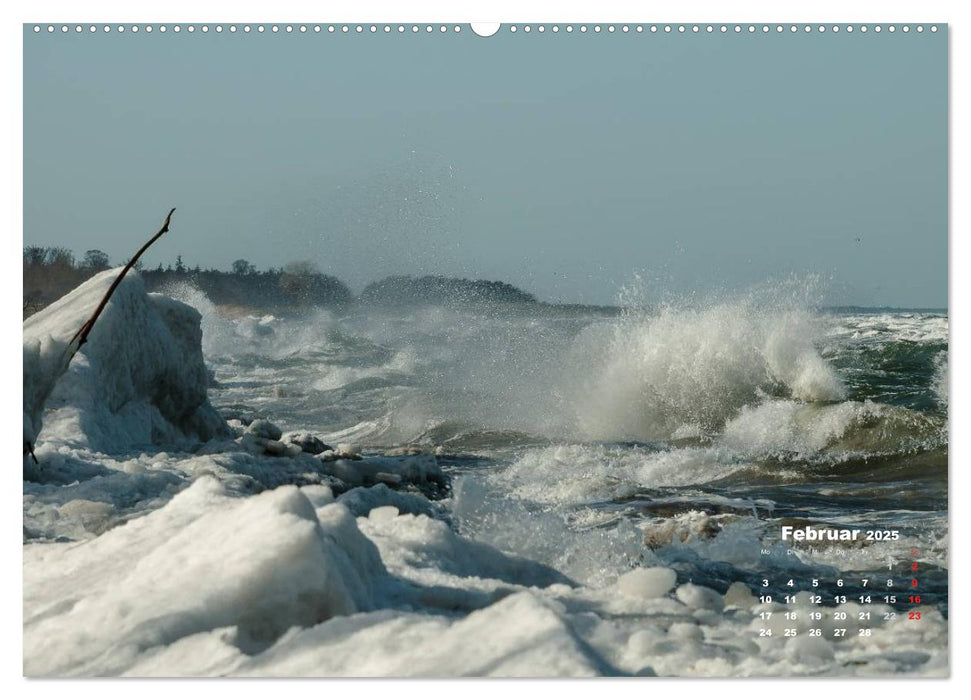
{"points": [[524, 349]]}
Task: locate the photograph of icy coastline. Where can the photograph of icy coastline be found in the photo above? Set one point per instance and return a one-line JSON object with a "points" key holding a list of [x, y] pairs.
{"points": [[466, 356]]}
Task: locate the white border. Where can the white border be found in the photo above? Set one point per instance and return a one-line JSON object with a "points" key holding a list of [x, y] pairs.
{"points": [[603, 11]]}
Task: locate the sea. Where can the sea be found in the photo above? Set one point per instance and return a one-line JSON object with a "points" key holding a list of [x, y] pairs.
{"points": [[600, 439]]}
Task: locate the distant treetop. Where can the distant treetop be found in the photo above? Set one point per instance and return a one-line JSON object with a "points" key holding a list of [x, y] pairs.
{"points": [[434, 289]]}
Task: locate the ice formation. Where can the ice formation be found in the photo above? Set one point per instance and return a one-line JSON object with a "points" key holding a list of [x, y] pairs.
{"points": [[161, 539], [139, 380], [289, 583]]}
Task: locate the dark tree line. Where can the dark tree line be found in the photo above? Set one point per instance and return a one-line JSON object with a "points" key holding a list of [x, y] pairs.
{"points": [[296, 284], [437, 290], [39, 256], [51, 272]]}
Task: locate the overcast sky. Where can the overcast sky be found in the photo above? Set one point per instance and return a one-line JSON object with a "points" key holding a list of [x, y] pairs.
{"points": [[565, 164]]}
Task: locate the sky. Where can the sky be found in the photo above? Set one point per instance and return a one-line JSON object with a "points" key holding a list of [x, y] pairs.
{"points": [[566, 164]]}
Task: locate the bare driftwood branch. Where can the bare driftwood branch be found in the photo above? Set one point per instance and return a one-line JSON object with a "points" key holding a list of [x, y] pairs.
{"points": [[82, 335]]}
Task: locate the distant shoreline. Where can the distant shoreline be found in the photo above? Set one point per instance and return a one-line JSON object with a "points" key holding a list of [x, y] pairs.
{"points": [[50, 273], [602, 309]]}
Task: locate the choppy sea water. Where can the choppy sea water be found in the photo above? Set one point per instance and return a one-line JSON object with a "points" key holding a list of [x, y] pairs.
{"points": [[594, 441]]}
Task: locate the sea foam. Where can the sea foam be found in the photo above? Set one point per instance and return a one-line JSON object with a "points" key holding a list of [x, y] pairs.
{"points": [[654, 375]]}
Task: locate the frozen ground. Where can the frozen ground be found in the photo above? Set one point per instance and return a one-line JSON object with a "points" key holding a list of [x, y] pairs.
{"points": [[289, 583], [162, 540]]}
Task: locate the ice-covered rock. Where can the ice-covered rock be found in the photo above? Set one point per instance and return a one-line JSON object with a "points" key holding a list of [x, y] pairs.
{"points": [[738, 595], [420, 470], [311, 444], [700, 597], [261, 437], [406, 451], [263, 428], [203, 562], [653, 582], [684, 527], [236, 426], [266, 446], [140, 378], [348, 449], [330, 454]]}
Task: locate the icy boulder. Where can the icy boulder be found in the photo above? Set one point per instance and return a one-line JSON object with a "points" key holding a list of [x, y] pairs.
{"points": [[700, 597], [205, 561], [140, 379], [421, 471], [653, 582]]}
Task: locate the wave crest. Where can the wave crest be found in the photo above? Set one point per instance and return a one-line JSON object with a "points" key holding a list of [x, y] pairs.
{"points": [[683, 370]]}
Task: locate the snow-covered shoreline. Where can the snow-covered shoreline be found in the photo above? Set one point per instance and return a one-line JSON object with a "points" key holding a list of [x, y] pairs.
{"points": [[289, 583], [161, 539]]}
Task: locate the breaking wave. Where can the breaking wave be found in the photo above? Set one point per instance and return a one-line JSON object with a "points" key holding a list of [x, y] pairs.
{"points": [[683, 371], [782, 429]]}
